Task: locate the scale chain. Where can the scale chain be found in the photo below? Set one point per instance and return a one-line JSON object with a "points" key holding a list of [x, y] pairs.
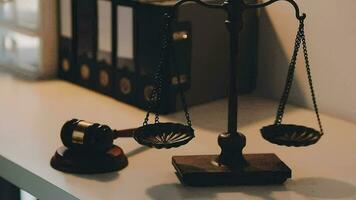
{"points": [[164, 59], [289, 81], [155, 97], [300, 40], [312, 91]]}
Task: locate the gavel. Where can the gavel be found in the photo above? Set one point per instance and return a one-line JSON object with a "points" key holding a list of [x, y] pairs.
{"points": [[80, 135]]}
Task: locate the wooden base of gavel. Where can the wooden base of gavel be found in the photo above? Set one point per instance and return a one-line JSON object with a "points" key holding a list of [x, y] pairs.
{"points": [[86, 161]]}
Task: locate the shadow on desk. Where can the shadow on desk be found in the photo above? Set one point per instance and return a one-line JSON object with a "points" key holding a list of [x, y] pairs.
{"points": [[322, 188], [137, 151], [308, 187]]}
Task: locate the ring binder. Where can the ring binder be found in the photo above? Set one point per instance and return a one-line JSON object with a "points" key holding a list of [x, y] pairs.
{"points": [[67, 39], [105, 76], [149, 22], [86, 23], [126, 74]]}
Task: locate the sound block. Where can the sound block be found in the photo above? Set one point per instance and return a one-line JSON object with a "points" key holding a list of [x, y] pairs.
{"points": [[79, 162], [203, 170]]}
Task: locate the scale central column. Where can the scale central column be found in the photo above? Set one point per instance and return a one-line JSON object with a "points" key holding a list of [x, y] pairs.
{"points": [[232, 142], [231, 167]]}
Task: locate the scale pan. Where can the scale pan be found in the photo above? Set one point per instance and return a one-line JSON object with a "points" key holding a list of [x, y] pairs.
{"points": [[290, 135], [164, 135]]}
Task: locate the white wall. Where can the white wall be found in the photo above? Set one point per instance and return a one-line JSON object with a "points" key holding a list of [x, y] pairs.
{"points": [[331, 36]]}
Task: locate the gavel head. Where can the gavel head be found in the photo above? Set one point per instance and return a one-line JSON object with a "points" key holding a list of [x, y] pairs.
{"points": [[80, 135]]}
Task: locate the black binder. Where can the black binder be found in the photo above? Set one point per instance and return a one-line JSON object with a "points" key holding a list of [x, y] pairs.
{"points": [[67, 39], [135, 75], [126, 77], [180, 60], [86, 24], [106, 18]]}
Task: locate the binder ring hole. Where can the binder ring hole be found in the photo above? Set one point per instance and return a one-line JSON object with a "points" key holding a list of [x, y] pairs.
{"points": [[85, 72], [125, 86], [65, 65], [147, 92], [104, 78]]}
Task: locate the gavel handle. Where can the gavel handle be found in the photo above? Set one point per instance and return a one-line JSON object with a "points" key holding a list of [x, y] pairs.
{"points": [[124, 133]]}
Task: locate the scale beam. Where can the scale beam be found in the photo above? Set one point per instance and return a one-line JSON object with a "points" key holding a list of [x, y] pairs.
{"points": [[262, 5]]}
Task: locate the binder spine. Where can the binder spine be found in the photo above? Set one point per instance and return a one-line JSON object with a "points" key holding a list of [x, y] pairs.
{"points": [[150, 22], [114, 45], [148, 37], [179, 77], [105, 66], [67, 37], [126, 76], [87, 46], [181, 56]]}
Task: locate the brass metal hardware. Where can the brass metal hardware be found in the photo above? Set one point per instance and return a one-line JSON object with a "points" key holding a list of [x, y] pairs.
{"points": [[147, 92], [77, 137], [125, 86], [78, 133], [104, 78], [180, 35], [85, 72], [65, 65], [182, 79]]}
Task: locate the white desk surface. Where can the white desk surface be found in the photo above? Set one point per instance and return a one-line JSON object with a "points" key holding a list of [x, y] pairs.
{"points": [[32, 113]]}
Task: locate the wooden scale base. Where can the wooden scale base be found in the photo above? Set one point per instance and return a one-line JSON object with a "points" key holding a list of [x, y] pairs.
{"points": [[202, 170], [70, 161]]}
